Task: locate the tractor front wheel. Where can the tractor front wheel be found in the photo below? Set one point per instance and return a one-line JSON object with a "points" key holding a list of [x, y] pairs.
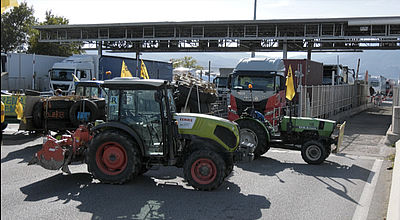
{"points": [[313, 152], [204, 170], [113, 157], [254, 133]]}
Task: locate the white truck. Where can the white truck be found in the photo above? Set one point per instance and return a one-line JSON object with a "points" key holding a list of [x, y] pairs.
{"points": [[20, 71], [88, 67], [378, 83], [84, 67]]}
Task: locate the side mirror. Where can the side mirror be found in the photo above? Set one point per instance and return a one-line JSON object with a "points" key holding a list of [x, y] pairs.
{"points": [[229, 81]]}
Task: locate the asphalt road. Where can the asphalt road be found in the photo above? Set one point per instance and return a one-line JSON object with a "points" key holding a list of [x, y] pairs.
{"points": [[351, 185]]}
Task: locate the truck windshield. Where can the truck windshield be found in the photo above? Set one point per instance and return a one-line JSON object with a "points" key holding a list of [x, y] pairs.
{"points": [[262, 83], [221, 82], [61, 75], [374, 83]]}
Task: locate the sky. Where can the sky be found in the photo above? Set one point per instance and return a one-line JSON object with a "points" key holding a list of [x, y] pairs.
{"points": [[127, 11], [131, 11]]}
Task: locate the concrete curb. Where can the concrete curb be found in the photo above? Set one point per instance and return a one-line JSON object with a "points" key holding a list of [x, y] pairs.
{"points": [[391, 137], [393, 212]]}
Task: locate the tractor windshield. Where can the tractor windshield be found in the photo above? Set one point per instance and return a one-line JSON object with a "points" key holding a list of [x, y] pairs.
{"points": [[90, 92]]}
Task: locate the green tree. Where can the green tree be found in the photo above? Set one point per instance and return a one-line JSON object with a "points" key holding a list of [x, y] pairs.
{"points": [[188, 62], [54, 49], [16, 27]]}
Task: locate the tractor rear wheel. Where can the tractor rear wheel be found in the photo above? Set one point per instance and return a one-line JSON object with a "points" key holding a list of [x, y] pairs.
{"points": [[252, 132], [204, 170], [113, 157], [313, 152]]}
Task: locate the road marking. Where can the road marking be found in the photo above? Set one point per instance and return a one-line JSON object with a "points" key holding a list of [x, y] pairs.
{"points": [[362, 209]]}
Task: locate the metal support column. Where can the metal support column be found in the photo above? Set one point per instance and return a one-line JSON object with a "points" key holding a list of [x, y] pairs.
{"points": [[284, 49], [100, 48], [309, 54], [137, 63]]}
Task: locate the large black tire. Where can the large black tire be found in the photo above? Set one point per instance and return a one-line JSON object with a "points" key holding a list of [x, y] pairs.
{"points": [[37, 115], [204, 170], [253, 132], [4, 125], [113, 157], [78, 106], [313, 152], [229, 168], [60, 104]]}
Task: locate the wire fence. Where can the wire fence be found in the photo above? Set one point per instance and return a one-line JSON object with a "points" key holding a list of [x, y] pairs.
{"points": [[326, 101]]}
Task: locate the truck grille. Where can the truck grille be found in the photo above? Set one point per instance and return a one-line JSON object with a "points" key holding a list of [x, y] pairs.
{"points": [[62, 87], [242, 105]]}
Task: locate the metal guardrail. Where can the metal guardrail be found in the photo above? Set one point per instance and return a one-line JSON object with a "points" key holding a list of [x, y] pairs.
{"points": [[396, 96], [326, 101]]}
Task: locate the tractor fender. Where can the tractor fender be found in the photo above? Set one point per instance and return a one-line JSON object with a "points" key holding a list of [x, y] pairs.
{"points": [[257, 123], [200, 143], [124, 128]]}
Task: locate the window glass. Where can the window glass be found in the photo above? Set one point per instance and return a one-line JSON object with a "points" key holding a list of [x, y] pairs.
{"points": [[140, 111], [258, 82], [171, 101], [61, 75], [79, 91], [113, 103]]}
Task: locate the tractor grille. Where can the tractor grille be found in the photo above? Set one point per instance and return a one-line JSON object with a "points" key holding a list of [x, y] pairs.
{"points": [[242, 105], [226, 136]]}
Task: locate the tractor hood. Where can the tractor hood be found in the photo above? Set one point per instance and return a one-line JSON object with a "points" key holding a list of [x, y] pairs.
{"points": [[218, 129], [323, 126]]}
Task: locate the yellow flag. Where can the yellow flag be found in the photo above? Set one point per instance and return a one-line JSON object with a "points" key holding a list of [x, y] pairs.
{"points": [[19, 109], [125, 71], [143, 71], [289, 84], [75, 78], [5, 4]]}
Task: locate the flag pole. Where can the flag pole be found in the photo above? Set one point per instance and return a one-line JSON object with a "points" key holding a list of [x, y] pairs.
{"points": [[290, 93]]}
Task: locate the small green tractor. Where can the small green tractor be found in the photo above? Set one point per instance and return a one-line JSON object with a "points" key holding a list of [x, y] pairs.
{"points": [[312, 136], [142, 130]]}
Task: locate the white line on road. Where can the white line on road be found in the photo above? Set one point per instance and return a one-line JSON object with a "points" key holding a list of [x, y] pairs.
{"points": [[362, 209]]}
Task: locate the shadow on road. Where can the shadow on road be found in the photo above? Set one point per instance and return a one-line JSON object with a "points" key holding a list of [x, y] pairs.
{"points": [[18, 138], [144, 198], [270, 167], [25, 154]]}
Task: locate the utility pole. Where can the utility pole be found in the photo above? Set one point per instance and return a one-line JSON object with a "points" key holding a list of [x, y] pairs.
{"points": [[253, 53], [255, 9]]}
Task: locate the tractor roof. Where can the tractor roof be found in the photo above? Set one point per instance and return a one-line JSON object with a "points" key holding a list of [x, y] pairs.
{"points": [[89, 82], [129, 81]]}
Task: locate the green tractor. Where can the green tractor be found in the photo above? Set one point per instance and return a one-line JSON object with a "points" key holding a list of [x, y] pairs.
{"points": [[312, 136], [143, 130]]}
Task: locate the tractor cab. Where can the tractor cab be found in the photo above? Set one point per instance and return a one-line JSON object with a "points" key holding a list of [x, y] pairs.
{"points": [[90, 89], [145, 108]]}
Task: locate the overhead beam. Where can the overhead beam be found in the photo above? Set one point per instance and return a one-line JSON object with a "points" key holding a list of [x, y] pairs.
{"points": [[364, 33]]}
